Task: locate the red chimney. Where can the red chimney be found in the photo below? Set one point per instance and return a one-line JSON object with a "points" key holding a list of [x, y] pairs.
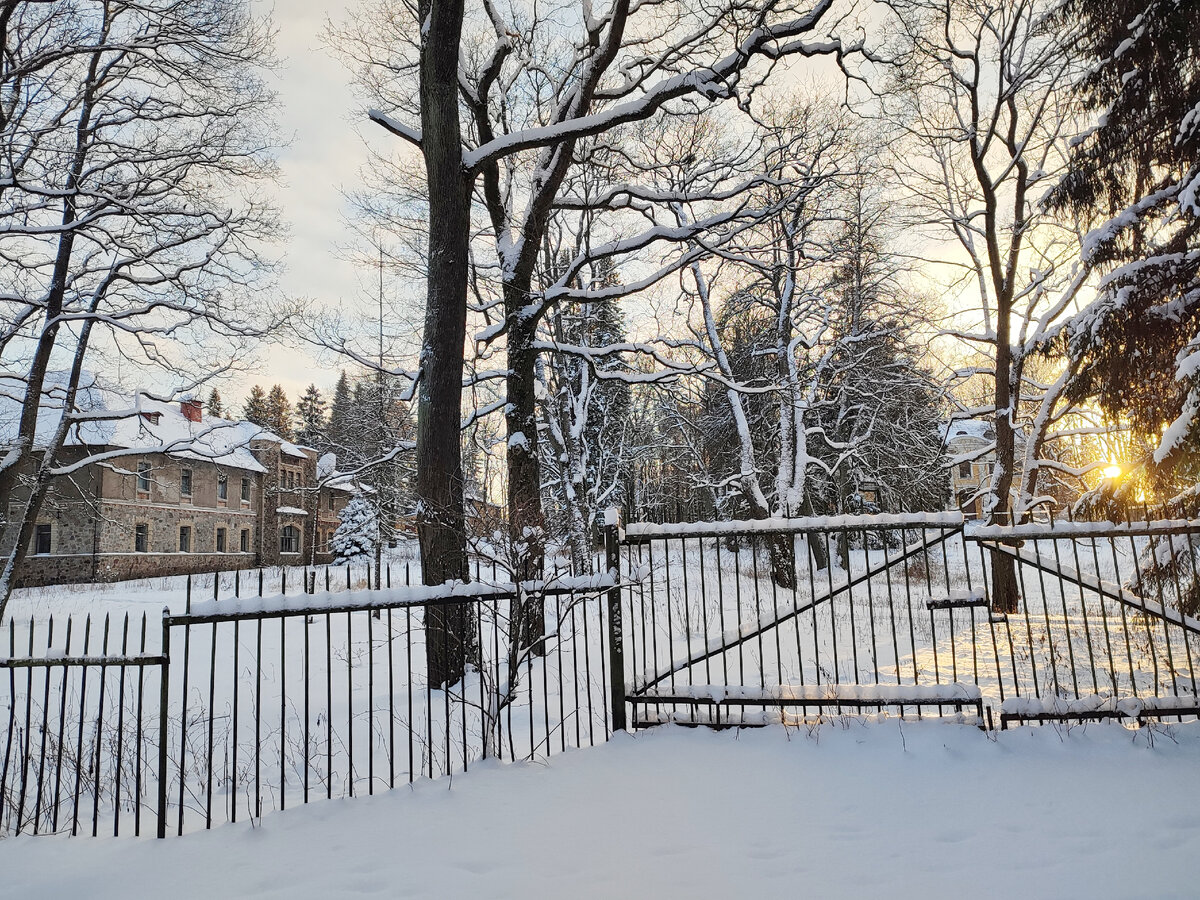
{"points": [[191, 409]]}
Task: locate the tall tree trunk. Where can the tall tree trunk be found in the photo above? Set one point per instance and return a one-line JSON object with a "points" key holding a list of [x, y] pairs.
{"points": [[526, 520], [441, 526], [1004, 573]]}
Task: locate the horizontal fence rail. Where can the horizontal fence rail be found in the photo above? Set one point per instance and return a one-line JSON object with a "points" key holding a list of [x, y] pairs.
{"points": [[240, 706], [242, 701], [1102, 612]]}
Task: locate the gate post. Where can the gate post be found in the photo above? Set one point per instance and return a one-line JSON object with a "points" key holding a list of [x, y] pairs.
{"points": [[616, 637], [164, 674]]}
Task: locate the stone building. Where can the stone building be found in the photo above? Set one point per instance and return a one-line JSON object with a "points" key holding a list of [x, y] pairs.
{"points": [[158, 489], [970, 448]]}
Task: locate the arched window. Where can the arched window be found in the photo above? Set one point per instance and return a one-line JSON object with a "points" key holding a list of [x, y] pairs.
{"points": [[289, 539]]}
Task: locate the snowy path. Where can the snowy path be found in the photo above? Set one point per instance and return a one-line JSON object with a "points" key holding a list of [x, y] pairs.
{"points": [[863, 810]]}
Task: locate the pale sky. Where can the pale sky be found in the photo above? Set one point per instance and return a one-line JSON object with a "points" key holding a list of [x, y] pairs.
{"points": [[326, 149]]}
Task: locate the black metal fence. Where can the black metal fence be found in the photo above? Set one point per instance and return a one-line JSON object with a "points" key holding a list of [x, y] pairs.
{"points": [[240, 706], [823, 613], [235, 706]]}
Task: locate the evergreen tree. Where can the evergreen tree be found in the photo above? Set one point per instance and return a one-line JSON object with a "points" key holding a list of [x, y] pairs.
{"points": [[255, 409], [357, 531], [279, 412], [310, 413], [341, 419], [215, 408], [1135, 177]]}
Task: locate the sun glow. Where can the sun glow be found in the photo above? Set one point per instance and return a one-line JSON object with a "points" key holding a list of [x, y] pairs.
{"points": [[1113, 471]]}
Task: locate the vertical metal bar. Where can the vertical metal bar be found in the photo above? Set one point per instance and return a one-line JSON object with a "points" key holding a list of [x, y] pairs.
{"points": [[28, 733], [370, 703], [237, 681], [350, 699], [137, 765], [871, 598], [283, 709], [1087, 631], [120, 726], [12, 718], [37, 804], [212, 688], [99, 733], [329, 704], [687, 605], [616, 627], [1062, 591], [307, 705], [562, 712], [1112, 665], [720, 607], [87, 632], [163, 701], [887, 579], [183, 714], [409, 668], [258, 719], [392, 695], [62, 729]]}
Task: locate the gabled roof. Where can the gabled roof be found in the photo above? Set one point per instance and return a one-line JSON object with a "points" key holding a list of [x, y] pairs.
{"points": [[112, 418]]}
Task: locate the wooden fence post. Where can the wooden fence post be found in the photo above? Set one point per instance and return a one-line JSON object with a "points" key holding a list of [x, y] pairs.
{"points": [[616, 648]]}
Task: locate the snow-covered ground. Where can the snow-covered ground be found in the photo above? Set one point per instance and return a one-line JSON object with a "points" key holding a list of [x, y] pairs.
{"points": [[921, 810]]}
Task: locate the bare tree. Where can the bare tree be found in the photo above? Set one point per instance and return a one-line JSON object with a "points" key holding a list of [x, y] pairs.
{"points": [[532, 83], [980, 99], [134, 134]]}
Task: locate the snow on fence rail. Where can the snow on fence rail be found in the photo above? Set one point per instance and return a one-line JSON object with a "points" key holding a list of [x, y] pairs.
{"points": [[907, 601], [244, 705], [241, 705]]}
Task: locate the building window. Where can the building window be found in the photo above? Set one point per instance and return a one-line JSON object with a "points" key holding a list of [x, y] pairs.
{"points": [[964, 470], [245, 490], [41, 540], [143, 477], [222, 487], [289, 539], [220, 540], [331, 502], [141, 538], [244, 540], [289, 479], [185, 538], [185, 482]]}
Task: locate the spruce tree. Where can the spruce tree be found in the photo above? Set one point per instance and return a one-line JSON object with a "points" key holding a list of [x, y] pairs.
{"points": [[310, 413], [356, 533], [341, 418], [255, 409], [215, 408], [1135, 176], [279, 412]]}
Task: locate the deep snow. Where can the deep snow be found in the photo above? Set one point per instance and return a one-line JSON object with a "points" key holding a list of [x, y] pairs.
{"points": [[924, 810]]}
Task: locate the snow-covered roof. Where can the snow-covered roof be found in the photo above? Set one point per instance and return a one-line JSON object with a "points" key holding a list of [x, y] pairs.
{"points": [[117, 419], [969, 428], [291, 449], [291, 511]]}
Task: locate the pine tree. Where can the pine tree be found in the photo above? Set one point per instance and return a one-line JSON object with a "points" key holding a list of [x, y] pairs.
{"points": [[255, 409], [215, 409], [356, 533], [310, 413], [279, 412]]}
